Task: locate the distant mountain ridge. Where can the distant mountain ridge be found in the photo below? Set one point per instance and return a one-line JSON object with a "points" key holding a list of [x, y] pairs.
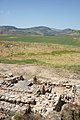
{"points": [[40, 30]]}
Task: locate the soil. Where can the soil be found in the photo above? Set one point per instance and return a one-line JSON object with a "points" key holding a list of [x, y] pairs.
{"points": [[29, 71]]}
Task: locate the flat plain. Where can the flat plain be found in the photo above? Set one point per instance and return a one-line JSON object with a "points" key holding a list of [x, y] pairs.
{"points": [[51, 51]]}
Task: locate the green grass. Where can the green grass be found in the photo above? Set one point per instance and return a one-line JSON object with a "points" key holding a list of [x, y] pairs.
{"points": [[54, 53], [38, 62], [61, 52], [51, 51], [10, 61], [63, 40]]}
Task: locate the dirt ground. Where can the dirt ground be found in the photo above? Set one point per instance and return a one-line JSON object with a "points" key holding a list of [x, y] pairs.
{"points": [[29, 71]]}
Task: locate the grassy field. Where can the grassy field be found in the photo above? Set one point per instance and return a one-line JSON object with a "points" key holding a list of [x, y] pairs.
{"points": [[53, 51], [62, 40]]}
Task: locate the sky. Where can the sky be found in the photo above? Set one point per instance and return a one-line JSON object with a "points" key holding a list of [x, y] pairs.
{"points": [[59, 14]]}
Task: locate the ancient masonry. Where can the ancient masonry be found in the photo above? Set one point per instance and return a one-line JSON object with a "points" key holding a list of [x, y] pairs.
{"points": [[36, 95]]}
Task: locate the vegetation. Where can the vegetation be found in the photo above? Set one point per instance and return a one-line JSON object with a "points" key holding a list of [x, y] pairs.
{"points": [[62, 40], [52, 51], [78, 31], [29, 116], [70, 112]]}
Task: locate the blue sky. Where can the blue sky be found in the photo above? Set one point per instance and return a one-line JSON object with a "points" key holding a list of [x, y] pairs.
{"points": [[59, 14]]}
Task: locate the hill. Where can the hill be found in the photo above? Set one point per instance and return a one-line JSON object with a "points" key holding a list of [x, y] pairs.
{"points": [[40, 30]]}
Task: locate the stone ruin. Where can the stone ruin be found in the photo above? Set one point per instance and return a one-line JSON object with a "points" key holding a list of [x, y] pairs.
{"points": [[35, 96]]}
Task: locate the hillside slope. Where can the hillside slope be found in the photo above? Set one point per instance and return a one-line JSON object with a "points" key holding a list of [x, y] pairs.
{"points": [[40, 30]]}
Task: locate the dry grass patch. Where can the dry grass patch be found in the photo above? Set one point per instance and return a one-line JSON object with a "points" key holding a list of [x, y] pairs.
{"points": [[45, 54]]}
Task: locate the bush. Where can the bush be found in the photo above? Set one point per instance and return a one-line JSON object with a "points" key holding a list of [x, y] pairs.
{"points": [[70, 112]]}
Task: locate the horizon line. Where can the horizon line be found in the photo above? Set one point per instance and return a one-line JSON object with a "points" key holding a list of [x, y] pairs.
{"points": [[39, 26]]}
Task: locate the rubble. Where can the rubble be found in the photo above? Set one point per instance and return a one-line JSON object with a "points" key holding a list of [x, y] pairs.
{"points": [[35, 95]]}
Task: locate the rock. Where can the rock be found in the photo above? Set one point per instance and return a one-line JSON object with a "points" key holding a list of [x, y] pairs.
{"points": [[28, 96], [43, 90], [50, 95], [59, 104], [49, 98], [11, 85], [32, 97], [29, 82], [74, 89], [49, 89], [32, 101], [18, 101], [5, 76], [38, 93], [10, 75], [2, 98], [68, 86], [53, 115], [3, 83], [22, 112], [50, 84], [35, 79], [21, 77], [2, 116], [13, 80]]}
